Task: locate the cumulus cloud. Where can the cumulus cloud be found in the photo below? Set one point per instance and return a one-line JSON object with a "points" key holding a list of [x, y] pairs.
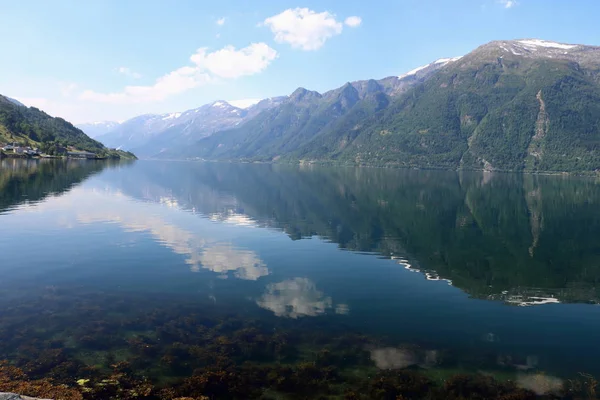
{"points": [[353, 21], [231, 63], [227, 63], [304, 28], [508, 3], [175, 82], [128, 72]]}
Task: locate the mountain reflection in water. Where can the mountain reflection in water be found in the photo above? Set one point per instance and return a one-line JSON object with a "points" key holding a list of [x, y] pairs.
{"points": [[181, 267]]}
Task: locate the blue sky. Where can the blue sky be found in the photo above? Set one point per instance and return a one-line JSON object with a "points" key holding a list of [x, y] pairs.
{"points": [[114, 59]]}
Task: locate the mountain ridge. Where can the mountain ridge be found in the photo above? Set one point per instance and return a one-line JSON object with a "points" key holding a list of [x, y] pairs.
{"points": [[150, 134], [524, 105], [507, 105]]}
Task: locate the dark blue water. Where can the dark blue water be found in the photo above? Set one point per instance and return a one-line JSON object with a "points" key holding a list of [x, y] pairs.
{"points": [[481, 272]]}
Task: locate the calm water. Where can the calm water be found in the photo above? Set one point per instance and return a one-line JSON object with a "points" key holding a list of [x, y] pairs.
{"points": [[448, 271]]}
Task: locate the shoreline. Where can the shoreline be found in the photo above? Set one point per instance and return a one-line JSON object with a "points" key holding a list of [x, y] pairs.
{"points": [[393, 166]]}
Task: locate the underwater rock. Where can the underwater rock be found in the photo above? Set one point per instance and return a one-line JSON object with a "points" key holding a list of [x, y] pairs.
{"points": [[540, 384], [393, 358], [13, 396]]}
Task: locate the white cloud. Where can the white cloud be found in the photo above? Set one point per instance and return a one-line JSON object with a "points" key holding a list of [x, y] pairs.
{"points": [[303, 28], [175, 82], [243, 103], [508, 3], [221, 21], [231, 63], [353, 21], [128, 72], [226, 63]]}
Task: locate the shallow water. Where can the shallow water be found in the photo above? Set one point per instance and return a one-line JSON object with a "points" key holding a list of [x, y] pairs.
{"points": [[438, 270]]}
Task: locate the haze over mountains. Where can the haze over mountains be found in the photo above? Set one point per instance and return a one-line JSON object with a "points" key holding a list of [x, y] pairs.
{"points": [[508, 105], [152, 134], [95, 129], [29, 126]]}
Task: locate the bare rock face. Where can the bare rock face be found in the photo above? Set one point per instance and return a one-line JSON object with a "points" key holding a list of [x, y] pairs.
{"points": [[13, 396], [536, 49]]}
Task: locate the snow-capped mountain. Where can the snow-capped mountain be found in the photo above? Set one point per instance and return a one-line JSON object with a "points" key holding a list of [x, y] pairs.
{"points": [[429, 68], [527, 49], [95, 129], [150, 134]]}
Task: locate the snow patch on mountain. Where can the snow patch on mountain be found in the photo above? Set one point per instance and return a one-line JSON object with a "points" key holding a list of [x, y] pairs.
{"points": [[244, 103], [171, 116], [439, 63], [533, 44], [447, 60], [414, 71]]}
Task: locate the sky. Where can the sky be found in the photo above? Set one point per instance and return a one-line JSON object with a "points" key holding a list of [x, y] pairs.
{"points": [[111, 60]]}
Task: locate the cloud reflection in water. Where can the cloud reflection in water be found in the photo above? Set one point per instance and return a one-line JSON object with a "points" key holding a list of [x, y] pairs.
{"points": [[223, 258], [297, 297]]}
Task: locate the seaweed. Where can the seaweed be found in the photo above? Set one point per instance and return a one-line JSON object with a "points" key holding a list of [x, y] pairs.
{"points": [[96, 345]]}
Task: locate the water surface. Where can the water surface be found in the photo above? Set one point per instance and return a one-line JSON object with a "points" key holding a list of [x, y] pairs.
{"points": [[444, 271]]}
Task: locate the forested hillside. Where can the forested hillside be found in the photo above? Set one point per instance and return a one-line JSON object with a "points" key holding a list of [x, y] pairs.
{"points": [[518, 105], [33, 127]]}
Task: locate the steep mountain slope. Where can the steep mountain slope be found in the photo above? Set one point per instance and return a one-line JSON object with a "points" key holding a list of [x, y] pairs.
{"points": [[151, 135], [509, 105], [305, 115], [29, 125], [136, 131], [33, 127], [95, 129], [198, 123]]}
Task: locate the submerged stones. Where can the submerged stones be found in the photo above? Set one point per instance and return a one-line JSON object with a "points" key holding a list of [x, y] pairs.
{"points": [[106, 346], [14, 396]]}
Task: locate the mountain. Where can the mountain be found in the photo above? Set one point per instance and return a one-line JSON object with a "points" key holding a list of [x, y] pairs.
{"points": [[95, 129], [306, 115], [510, 237], [33, 127], [151, 135], [528, 104]]}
